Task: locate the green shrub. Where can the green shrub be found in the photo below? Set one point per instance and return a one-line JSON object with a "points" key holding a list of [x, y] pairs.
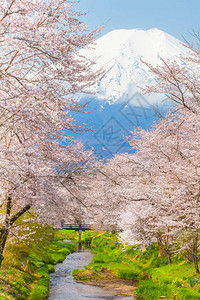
{"points": [[39, 292], [158, 262], [192, 281], [99, 259], [87, 237], [178, 283], [151, 290], [51, 268], [97, 269], [44, 280], [128, 274]]}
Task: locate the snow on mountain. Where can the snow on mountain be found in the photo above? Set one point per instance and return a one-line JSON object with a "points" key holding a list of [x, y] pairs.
{"points": [[120, 52]]}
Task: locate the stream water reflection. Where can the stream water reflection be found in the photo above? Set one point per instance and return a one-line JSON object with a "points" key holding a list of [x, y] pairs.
{"points": [[64, 287]]}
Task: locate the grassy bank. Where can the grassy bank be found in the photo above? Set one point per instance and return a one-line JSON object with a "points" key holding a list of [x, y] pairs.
{"points": [[27, 264], [153, 276]]}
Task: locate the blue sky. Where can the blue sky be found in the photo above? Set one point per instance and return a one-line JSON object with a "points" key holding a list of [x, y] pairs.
{"points": [[176, 17]]}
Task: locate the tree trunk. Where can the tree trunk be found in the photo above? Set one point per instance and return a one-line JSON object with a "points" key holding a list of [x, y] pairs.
{"points": [[196, 265], [164, 249], [168, 252], [5, 229], [160, 246], [3, 238], [194, 254], [169, 258], [9, 221]]}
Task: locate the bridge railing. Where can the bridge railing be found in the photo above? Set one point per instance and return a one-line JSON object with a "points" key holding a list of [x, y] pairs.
{"points": [[84, 227]]}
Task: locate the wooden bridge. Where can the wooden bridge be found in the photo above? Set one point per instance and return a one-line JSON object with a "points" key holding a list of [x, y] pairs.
{"points": [[79, 228], [76, 227]]}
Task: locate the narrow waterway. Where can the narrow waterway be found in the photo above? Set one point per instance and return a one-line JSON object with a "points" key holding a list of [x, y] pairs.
{"points": [[64, 287]]}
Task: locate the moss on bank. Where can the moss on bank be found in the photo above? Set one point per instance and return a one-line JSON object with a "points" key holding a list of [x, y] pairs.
{"points": [[153, 276], [27, 264]]}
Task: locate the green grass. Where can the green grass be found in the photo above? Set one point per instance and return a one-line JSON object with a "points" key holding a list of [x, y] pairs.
{"points": [[128, 274], [152, 290], [152, 275]]}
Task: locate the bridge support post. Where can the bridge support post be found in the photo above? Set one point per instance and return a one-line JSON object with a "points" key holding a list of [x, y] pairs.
{"points": [[62, 223], [80, 232]]}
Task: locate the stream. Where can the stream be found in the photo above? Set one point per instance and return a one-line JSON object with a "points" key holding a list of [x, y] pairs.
{"points": [[64, 287]]}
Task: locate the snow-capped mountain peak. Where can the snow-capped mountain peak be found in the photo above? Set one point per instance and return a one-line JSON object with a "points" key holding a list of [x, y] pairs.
{"points": [[120, 54]]}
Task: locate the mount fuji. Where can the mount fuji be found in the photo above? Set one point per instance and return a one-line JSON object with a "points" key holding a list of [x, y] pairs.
{"points": [[117, 104]]}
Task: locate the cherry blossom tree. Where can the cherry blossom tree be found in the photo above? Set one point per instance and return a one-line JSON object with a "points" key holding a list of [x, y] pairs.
{"points": [[180, 83], [156, 189], [170, 180], [160, 181], [41, 70], [179, 80]]}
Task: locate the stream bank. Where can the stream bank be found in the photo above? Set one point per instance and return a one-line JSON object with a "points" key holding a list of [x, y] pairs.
{"points": [[64, 287], [121, 287], [24, 274]]}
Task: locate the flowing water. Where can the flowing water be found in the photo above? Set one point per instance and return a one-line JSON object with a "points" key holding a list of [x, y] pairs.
{"points": [[64, 287]]}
